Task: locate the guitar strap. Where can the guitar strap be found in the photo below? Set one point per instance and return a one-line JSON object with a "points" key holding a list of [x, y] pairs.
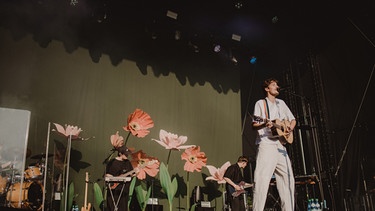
{"points": [[266, 109]]}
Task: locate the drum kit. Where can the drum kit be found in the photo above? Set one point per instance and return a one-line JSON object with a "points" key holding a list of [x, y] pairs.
{"points": [[26, 193]]}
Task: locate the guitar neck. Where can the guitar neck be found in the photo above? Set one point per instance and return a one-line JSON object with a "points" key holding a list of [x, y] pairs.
{"points": [[86, 188], [257, 118]]}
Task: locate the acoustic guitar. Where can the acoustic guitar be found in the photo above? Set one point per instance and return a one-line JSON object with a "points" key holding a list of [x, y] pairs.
{"points": [[86, 207], [279, 129]]}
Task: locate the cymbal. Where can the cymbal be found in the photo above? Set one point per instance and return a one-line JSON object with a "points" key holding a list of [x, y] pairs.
{"points": [[40, 156]]}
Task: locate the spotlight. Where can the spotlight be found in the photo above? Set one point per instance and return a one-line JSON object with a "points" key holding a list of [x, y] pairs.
{"points": [[234, 60], [253, 60], [236, 37], [217, 48], [194, 47], [177, 35], [73, 2], [172, 14], [193, 43], [238, 4], [154, 35], [275, 19]]}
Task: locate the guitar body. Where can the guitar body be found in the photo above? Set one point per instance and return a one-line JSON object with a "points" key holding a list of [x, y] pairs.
{"points": [[233, 192], [88, 208], [280, 130]]}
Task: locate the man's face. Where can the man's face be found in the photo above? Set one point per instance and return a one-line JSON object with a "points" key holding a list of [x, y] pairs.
{"points": [[243, 164], [272, 89]]}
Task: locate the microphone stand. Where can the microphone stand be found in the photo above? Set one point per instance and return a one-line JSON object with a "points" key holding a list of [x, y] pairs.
{"points": [[105, 162]]}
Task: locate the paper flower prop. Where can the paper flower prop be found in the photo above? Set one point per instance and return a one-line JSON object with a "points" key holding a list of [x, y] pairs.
{"points": [[217, 174], [138, 123], [172, 141], [195, 159], [117, 140], [144, 165], [69, 130]]}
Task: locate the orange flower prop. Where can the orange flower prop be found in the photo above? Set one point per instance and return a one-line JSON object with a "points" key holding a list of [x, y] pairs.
{"points": [[144, 164], [138, 123], [217, 174], [74, 131], [195, 159]]}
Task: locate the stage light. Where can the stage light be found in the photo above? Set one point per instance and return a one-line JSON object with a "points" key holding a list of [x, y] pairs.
{"points": [[217, 48], [234, 60], [172, 14], [253, 60], [73, 2], [236, 37], [238, 4], [275, 19], [177, 35]]}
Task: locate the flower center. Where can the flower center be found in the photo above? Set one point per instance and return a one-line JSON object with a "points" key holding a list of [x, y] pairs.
{"points": [[134, 125], [192, 159], [141, 163]]}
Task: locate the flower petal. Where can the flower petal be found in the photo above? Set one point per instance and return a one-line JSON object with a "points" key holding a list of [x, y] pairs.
{"points": [[60, 129]]}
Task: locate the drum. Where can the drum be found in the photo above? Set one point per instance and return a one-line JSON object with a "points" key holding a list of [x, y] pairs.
{"points": [[3, 184], [31, 195], [33, 172]]}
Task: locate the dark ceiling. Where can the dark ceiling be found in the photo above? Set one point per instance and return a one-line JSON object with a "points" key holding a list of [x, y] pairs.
{"points": [[273, 31], [104, 24]]}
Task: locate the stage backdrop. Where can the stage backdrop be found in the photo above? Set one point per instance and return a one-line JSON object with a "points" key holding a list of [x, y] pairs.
{"points": [[69, 88]]}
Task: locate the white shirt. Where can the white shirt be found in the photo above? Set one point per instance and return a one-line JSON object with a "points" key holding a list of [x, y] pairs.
{"points": [[277, 110]]}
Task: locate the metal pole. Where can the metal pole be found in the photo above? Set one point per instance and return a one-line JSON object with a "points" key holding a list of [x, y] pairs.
{"points": [[46, 166]]}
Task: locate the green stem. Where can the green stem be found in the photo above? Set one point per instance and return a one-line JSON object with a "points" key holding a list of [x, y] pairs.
{"points": [[187, 191], [127, 138], [169, 155]]}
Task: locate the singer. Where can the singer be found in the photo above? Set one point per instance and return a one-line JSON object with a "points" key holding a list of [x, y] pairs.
{"points": [[272, 157]]}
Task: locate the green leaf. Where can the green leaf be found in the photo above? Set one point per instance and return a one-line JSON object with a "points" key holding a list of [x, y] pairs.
{"points": [[170, 188], [98, 194], [70, 195], [193, 207], [131, 190], [141, 195]]}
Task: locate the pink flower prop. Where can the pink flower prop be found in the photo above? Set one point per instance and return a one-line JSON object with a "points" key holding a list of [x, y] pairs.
{"points": [[74, 131], [138, 123], [217, 174], [144, 164], [117, 140], [172, 141], [195, 159]]}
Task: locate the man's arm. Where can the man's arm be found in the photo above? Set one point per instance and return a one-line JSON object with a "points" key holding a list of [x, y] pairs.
{"points": [[258, 126], [229, 181]]}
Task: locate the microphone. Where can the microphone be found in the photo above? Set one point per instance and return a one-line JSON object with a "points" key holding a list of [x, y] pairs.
{"points": [[283, 88]]}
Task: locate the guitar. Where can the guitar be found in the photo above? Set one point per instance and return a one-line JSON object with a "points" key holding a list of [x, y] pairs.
{"points": [[243, 186], [86, 207], [279, 129]]}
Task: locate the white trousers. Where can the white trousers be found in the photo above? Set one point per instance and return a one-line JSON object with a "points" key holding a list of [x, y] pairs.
{"points": [[273, 159]]}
